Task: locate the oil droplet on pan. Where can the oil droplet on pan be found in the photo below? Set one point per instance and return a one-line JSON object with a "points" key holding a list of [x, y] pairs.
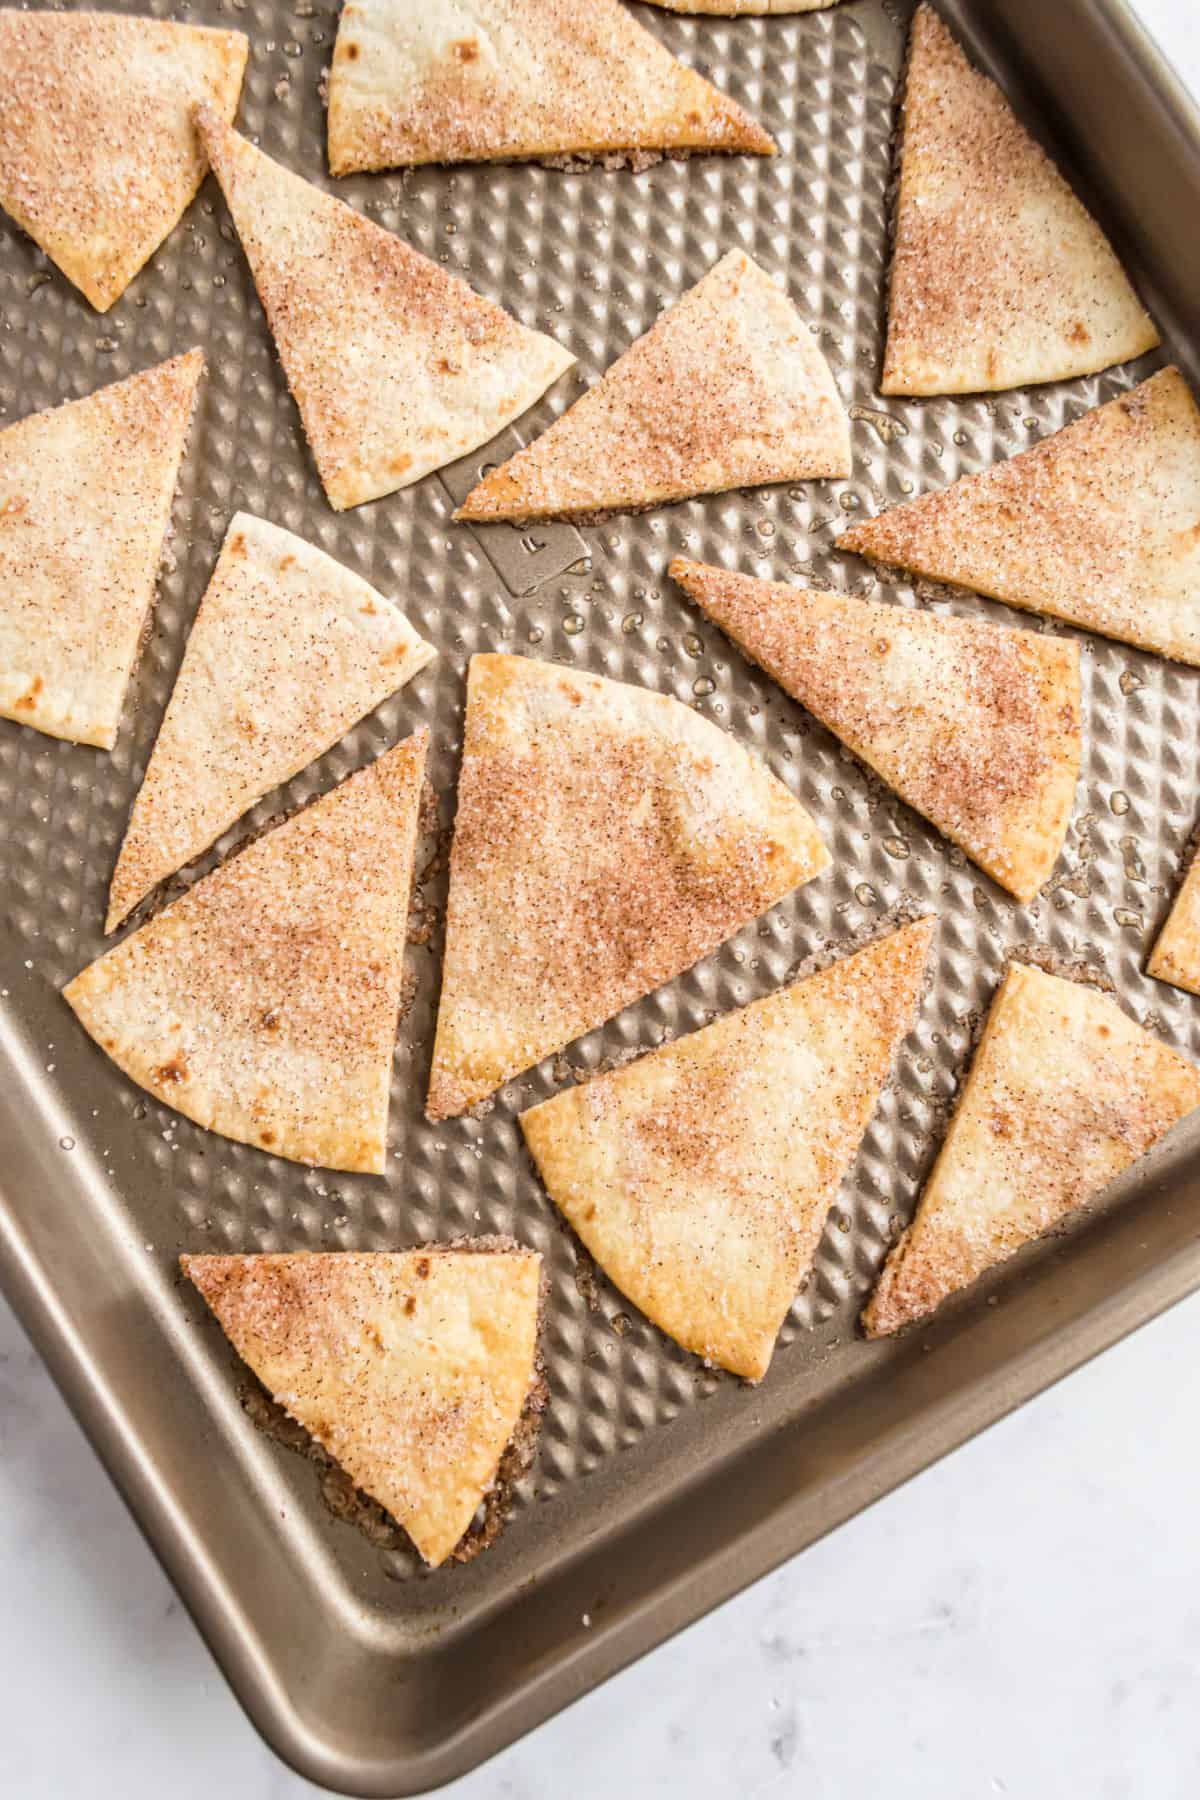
{"points": [[888, 428]]}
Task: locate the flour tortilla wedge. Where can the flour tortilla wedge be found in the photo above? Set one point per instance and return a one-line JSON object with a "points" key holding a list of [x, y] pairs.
{"points": [[607, 838], [288, 651], [99, 158], [506, 80], [1096, 525], [263, 1004], [736, 9], [700, 1176], [1176, 955], [1000, 277], [727, 390], [976, 726], [1064, 1095], [411, 1368], [397, 366], [85, 503]]}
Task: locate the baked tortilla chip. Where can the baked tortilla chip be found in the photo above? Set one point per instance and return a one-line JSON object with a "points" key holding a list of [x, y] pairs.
{"points": [[85, 503], [99, 158], [1096, 525], [506, 80], [263, 1004], [976, 726], [1176, 955], [727, 390], [1065, 1094], [607, 838], [700, 1177], [288, 651], [397, 366], [410, 1368], [1000, 277], [736, 9]]}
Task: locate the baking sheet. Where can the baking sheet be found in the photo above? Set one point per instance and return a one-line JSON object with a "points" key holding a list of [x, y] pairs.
{"points": [[365, 1670]]}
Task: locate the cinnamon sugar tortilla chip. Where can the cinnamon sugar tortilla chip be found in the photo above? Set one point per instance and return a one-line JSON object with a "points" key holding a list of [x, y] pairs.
{"points": [[976, 726], [1097, 525], [488, 80], [606, 838], [727, 390], [85, 503], [1000, 277], [1176, 955], [98, 154], [736, 9], [263, 1004], [287, 652], [700, 1176], [1065, 1094], [411, 1367], [397, 366]]}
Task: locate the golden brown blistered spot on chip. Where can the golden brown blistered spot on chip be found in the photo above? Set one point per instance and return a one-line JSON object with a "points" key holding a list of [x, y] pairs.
{"points": [[28, 701], [423, 1268], [172, 1072], [466, 50]]}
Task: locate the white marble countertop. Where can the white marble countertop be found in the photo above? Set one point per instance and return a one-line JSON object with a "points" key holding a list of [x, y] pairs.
{"points": [[1022, 1620]]}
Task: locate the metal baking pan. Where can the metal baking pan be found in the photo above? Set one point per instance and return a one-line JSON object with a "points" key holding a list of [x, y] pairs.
{"points": [[659, 1488]]}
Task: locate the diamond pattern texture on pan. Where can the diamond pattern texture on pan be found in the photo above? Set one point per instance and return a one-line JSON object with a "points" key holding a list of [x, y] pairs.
{"points": [[590, 257]]}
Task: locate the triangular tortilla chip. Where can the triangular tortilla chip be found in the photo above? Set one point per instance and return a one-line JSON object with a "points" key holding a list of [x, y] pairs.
{"points": [[974, 725], [606, 838], [411, 1368], [1000, 276], [85, 503], [727, 390], [397, 366], [98, 154], [263, 1003], [504, 80], [700, 1176], [1176, 955], [288, 651], [1096, 525], [735, 9], [1064, 1095]]}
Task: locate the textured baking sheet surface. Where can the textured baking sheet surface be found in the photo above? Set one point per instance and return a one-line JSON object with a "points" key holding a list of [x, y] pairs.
{"points": [[590, 257]]}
